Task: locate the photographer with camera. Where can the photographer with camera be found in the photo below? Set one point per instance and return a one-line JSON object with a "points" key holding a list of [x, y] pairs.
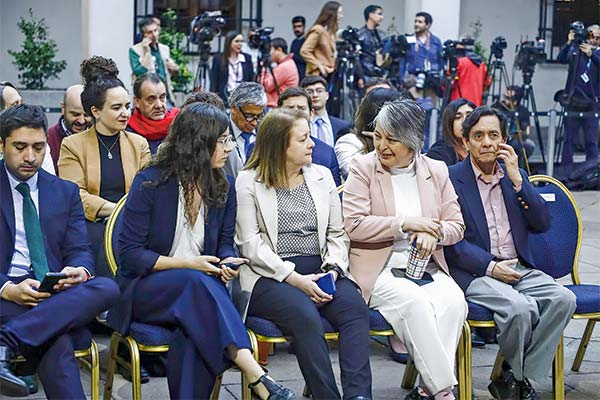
{"points": [[371, 43], [581, 94], [423, 63], [471, 77], [151, 56], [231, 67], [282, 76]]}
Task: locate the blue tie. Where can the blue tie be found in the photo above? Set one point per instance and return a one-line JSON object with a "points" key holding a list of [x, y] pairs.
{"points": [[246, 136], [320, 131], [33, 232]]}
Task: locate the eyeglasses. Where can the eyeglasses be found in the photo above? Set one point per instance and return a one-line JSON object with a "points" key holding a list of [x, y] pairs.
{"points": [[225, 141], [251, 117], [316, 91]]}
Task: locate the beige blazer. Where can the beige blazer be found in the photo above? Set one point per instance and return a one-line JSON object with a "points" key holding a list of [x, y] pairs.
{"points": [[79, 162], [318, 48], [256, 229], [370, 215]]}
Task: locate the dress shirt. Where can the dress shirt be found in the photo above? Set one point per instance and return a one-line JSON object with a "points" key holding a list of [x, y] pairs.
{"points": [[326, 127], [188, 241], [240, 143], [502, 245], [21, 263], [236, 73]]}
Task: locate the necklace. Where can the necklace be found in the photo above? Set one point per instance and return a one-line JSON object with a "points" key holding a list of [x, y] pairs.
{"points": [[110, 156]]}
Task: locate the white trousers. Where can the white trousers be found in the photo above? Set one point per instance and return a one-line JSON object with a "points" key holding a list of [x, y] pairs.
{"points": [[428, 319]]}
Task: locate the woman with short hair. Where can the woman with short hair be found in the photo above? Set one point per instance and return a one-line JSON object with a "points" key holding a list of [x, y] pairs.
{"points": [[289, 227], [395, 197]]}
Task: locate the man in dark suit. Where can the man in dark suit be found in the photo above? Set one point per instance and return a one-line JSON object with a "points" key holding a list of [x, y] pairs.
{"points": [[323, 126], [322, 154], [494, 263], [298, 24], [42, 229]]}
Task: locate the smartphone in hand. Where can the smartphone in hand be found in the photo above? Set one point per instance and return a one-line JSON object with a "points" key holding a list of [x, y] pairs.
{"points": [[50, 280], [327, 284]]}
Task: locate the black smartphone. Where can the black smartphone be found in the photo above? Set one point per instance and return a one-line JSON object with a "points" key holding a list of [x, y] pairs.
{"points": [[232, 265], [401, 273], [50, 280]]}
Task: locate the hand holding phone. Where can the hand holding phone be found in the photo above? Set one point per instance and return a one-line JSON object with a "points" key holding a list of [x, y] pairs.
{"points": [[50, 280], [327, 284]]}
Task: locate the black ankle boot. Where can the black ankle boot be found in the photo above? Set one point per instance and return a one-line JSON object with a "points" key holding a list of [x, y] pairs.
{"points": [[276, 390], [10, 384]]}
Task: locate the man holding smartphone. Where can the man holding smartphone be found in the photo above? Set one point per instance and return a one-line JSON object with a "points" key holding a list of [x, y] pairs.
{"points": [[42, 231], [494, 263]]}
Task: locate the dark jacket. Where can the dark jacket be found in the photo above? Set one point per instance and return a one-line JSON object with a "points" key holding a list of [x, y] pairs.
{"points": [[220, 73], [300, 63], [582, 96], [527, 212], [371, 40], [148, 230], [443, 151], [61, 219]]}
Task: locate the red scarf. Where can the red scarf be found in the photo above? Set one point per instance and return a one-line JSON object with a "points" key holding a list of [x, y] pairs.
{"points": [[149, 128]]}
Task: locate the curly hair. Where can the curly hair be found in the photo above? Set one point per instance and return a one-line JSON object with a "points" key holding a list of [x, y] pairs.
{"points": [[99, 74], [186, 155]]}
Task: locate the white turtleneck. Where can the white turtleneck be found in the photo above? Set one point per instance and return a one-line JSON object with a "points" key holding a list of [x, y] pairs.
{"points": [[408, 204]]}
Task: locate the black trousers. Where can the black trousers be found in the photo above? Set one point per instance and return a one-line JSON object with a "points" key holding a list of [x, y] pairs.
{"points": [[296, 315]]}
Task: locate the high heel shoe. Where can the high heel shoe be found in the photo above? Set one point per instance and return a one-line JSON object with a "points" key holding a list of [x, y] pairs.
{"points": [[276, 390]]}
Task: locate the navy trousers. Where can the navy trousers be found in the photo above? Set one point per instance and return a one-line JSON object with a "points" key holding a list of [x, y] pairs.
{"points": [[42, 333], [205, 321], [296, 315], [590, 132]]}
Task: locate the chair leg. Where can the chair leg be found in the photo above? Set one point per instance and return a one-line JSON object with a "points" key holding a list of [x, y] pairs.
{"points": [[497, 370], [136, 383], [558, 371], [463, 364], [112, 365], [246, 391], [95, 371], [264, 348], [217, 388], [410, 375], [585, 340]]}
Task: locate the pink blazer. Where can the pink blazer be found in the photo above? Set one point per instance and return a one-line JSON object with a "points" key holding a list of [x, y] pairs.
{"points": [[371, 221]]}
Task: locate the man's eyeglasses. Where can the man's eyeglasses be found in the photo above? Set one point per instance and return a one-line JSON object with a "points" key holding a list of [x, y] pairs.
{"points": [[316, 91], [251, 117], [225, 141]]}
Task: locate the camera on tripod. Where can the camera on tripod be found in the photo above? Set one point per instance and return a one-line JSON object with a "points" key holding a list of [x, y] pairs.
{"points": [[498, 46], [206, 26], [456, 48], [529, 54], [349, 45], [261, 39], [396, 46]]}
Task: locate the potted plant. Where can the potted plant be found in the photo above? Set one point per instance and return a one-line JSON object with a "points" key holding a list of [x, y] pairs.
{"points": [[175, 40]]}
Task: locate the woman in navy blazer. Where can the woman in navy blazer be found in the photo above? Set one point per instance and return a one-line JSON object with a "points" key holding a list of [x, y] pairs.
{"points": [[175, 249]]}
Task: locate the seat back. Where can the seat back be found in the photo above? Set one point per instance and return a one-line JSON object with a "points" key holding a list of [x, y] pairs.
{"points": [[556, 251], [111, 235]]}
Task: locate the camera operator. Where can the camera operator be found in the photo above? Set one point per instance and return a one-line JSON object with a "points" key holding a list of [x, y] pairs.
{"points": [[423, 63], [580, 94], [231, 67], [371, 43], [471, 74], [284, 75]]}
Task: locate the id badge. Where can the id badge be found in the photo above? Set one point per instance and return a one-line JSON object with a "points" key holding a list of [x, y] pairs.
{"points": [[584, 77]]}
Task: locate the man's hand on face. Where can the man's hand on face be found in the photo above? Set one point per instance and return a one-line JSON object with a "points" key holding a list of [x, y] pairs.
{"points": [[25, 293], [571, 36], [586, 49], [507, 154], [146, 42], [75, 276]]}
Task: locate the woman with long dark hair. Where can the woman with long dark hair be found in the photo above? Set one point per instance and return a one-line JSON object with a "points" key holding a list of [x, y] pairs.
{"points": [[450, 148], [231, 67], [318, 49], [176, 254], [289, 226], [104, 159]]}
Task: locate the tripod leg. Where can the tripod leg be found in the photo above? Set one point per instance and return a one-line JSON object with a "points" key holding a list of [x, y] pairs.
{"points": [[529, 90]]}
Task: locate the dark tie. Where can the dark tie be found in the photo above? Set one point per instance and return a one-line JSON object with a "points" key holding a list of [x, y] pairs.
{"points": [[33, 232], [246, 136]]}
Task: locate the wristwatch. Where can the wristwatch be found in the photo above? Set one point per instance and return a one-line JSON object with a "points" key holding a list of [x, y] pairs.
{"points": [[334, 267]]}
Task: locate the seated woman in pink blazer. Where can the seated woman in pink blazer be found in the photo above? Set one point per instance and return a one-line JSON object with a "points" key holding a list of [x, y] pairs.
{"points": [[394, 196]]}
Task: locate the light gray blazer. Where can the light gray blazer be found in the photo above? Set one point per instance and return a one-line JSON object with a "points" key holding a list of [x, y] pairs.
{"points": [[256, 229]]}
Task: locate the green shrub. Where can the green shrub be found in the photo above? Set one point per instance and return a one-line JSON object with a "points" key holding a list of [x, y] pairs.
{"points": [[35, 61], [176, 42]]}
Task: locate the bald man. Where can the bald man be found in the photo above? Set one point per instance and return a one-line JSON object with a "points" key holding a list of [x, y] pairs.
{"points": [[73, 120]]}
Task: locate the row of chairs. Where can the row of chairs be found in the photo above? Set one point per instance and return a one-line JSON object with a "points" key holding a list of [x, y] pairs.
{"points": [[557, 250]]}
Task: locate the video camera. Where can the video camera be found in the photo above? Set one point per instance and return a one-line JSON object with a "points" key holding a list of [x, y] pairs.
{"points": [[349, 45], [206, 26], [396, 46], [451, 50], [581, 34], [529, 54], [261, 39], [498, 46]]}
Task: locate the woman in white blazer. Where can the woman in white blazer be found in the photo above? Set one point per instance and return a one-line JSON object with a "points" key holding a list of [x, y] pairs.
{"points": [[289, 225]]}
